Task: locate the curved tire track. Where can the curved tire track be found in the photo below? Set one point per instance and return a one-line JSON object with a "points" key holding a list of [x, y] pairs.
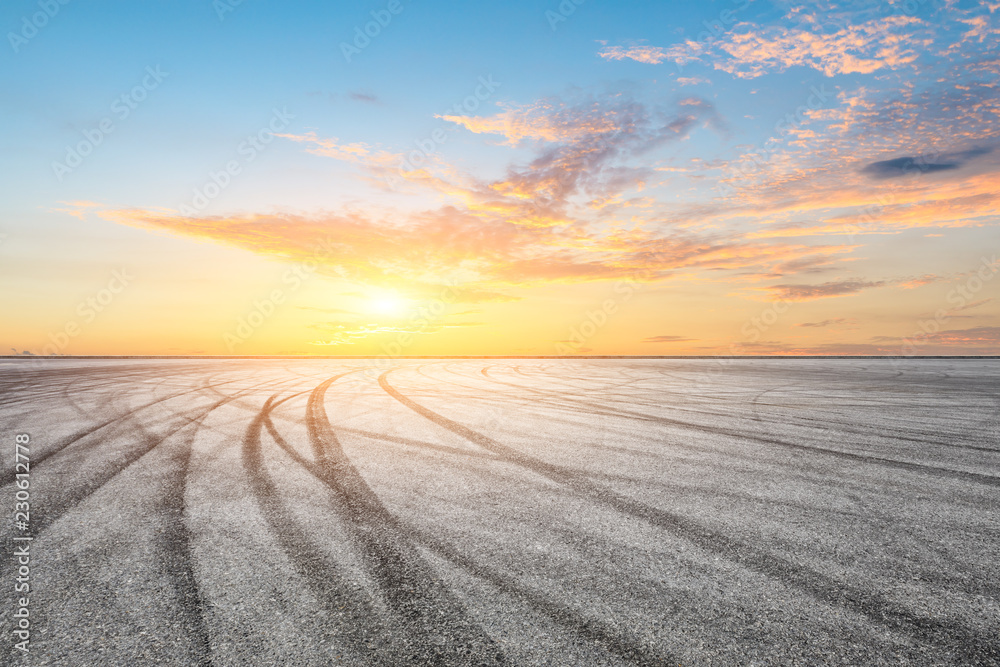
{"points": [[425, 619], [628, 648], [964, 641]]}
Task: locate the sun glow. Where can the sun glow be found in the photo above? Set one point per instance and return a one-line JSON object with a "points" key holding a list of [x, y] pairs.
{"points": [[388, 303]]}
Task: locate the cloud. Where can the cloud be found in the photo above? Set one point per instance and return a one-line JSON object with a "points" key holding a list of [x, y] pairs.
{"points": [[651, 55], [806, 180], [860, 48], [478, 257], [77, 209], [357, 152], [827, 323], [975, 340], [586, 146], [564, 214], [925, 279], [750, 50], [368, 98], [971, 305], [667, 339], [905, 166], [790, 292], [965, 337]]}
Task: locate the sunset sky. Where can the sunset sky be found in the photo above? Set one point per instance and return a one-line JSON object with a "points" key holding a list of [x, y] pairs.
{"points": [[515, 178]]}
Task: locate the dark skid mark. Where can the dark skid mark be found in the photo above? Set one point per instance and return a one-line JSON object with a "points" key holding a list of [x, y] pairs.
{"points": [[590, 629], [922, 468], [123, 419], [430, 620], [965, 641], [354, 622]]}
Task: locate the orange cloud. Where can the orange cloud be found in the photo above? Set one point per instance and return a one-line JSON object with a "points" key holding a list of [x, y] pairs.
{"points": [[926, 279], [790, 292], [749, 51], [651, 55], [357, 152]]}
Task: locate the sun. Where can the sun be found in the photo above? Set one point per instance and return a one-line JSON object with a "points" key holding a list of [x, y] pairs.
{"points": [[388, 303]]}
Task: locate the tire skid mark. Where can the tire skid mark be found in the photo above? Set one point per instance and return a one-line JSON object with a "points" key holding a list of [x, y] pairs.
{"points": [[420, 444], [728, 401], [615, 640], [72, 387], [936, 471], [427, 613], [360, 629], [567, 617], [842, 427], [62, 391], [554, 401], [55, 508], [57, 387], [129, 415], [48, 381], [177, 540], [559, 405], [963, 640]]}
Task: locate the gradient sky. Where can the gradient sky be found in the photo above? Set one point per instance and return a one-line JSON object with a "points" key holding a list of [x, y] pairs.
{"points": [[591, 177]]}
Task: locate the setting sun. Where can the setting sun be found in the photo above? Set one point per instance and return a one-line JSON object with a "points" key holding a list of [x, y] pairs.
{"points": [[387, 304]]}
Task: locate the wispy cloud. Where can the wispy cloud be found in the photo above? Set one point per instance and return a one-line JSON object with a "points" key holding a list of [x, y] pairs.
{"points": [[750, 50], [827, 323], [652, 55], [367, 98], [920, 281], [792, 292], [667, 339]]}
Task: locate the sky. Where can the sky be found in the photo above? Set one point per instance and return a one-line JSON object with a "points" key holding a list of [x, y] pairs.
{"points": [[411, 177]]}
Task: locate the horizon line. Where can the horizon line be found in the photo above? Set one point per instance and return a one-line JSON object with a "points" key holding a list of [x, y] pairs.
{"points": [[508, 356]]}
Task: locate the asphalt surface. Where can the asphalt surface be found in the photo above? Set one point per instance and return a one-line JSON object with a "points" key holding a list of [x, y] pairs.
{"points": [[506, 512]]}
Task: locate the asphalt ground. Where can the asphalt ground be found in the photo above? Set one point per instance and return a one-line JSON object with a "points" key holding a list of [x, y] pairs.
{"points": [[505, 512]]}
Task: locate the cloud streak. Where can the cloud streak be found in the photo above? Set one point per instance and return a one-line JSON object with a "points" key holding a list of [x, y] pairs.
{"points": [[750, 50], [795, 292]]}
